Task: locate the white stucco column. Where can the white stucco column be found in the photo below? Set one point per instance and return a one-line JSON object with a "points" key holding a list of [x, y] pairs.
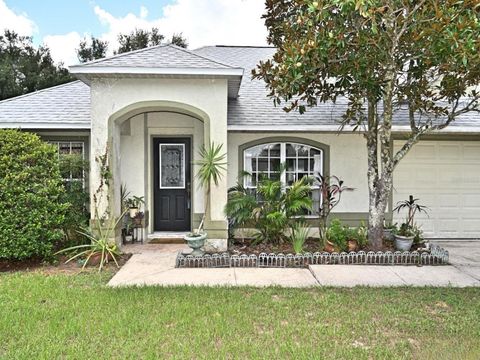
{"points": [[104, 176], [216, 132], [99, 145]]}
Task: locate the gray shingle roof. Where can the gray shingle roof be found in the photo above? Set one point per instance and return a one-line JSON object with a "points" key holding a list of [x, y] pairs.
{"points": [[65, 106], [161, 56], [68, 106], [253, 108]]}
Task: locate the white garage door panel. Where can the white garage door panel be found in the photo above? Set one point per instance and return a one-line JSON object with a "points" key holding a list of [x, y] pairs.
{"points": [[445, 176]]}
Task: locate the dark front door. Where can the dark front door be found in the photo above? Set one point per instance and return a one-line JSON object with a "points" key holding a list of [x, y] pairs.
{"points": [[171, 181]]}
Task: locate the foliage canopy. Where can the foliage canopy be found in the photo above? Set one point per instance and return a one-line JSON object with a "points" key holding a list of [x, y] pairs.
{"points": [[31, 209], [416, 57], [24, 68]]}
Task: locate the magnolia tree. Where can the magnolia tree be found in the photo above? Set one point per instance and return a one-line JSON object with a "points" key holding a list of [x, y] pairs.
{"points": [[420, 57]]}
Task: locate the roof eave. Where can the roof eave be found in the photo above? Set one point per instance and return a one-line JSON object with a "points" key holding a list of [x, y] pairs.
{"points": [[45, 125], [452, 130], [127, 70], [233, 75]]}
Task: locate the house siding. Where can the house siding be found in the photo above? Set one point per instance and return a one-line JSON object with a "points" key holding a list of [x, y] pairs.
{"points": [[347, 160]]}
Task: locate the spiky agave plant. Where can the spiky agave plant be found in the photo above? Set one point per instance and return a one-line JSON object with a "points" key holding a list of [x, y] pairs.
{"points": [[300, 232], [212, 168], [100, 244]]}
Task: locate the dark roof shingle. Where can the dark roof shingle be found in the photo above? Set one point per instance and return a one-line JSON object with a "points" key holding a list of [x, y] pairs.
{"points": [[253, 108], [64, 106], [160, 56]]}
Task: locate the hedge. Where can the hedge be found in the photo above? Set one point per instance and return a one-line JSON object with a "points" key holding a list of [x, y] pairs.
{"points": [[31, 210]]}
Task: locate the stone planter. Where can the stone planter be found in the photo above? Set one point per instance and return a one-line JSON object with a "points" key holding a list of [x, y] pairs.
{"points": [[403, 243], [388, 235], [196, 243]]}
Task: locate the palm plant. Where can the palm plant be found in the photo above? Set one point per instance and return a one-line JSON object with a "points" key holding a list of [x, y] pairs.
{"points": [[212, 168], [271, 208], [412, 207], [240, 205]]}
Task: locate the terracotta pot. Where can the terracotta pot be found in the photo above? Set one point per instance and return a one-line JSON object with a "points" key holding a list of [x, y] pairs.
{"points": [[352, 245], [329, 247], [95, 259]]}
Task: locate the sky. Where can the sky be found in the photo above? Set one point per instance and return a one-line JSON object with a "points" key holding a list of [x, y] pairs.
{"points": [[61, 24]]}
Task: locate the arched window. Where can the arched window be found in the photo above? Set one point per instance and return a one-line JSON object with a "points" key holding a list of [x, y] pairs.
{"points": [[300, 160]]}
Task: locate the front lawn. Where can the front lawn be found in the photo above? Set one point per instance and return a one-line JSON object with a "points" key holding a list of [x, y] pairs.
{"points": [[77, 317]]}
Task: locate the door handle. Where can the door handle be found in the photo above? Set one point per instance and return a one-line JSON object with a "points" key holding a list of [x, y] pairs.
{"points": [[189, 191]]}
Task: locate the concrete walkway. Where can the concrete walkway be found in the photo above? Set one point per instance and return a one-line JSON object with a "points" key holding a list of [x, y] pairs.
{"points": [[153, 264]]}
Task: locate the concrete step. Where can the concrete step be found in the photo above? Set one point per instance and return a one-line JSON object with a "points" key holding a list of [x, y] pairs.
{"points": [[166, 238]]}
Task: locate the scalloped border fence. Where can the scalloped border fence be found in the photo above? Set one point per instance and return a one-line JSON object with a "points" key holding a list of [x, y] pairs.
{"points": [[436, 256]]}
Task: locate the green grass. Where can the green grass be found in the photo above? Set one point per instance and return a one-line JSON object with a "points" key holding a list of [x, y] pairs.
{"points": [[78, 317]]}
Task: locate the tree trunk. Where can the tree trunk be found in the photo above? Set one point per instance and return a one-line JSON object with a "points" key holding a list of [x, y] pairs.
{"points": [[380, 137], [379, 197], [375, 214]]}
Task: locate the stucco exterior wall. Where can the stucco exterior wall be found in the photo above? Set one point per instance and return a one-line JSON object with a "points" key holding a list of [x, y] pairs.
{"points": [[348, 161], [115, 101], [136, 152]]}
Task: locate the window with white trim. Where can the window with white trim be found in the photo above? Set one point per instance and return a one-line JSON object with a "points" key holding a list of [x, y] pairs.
{"points": [[71, 148], [300, 160]]}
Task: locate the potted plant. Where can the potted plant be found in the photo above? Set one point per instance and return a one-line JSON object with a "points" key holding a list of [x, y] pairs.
{"points": [[137, 220], [357, 237], [404, 237], [134, 203], [352, 242], [389, 231], [336, 236], [408, 230], [212, 166]]}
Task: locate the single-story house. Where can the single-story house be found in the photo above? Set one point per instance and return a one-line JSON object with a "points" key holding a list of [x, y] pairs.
{"points": [[154, 108]]}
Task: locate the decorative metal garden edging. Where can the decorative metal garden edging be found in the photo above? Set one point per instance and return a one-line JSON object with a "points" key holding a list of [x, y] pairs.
{"points": [[436, 256]]}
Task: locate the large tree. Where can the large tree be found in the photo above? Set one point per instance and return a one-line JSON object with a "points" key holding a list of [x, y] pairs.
{"points": [[94, 48], [25, 68], [384, 56], [139, 39]]}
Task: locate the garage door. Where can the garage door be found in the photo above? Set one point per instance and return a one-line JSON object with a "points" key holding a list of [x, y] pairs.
{"points": [[445, 176]]}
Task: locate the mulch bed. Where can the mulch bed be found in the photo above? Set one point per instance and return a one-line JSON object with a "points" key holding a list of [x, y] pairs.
{"points": [[312, 245], [60, 267]]}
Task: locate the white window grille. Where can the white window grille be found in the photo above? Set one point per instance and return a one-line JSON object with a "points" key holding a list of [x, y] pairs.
{"points": [[295, 159], [67, 148]]}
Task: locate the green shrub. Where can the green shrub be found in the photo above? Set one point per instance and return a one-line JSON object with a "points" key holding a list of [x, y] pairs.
{"points": [[361, 233], [271, 209], [338, 234], [31, 210], [76, 195]]}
